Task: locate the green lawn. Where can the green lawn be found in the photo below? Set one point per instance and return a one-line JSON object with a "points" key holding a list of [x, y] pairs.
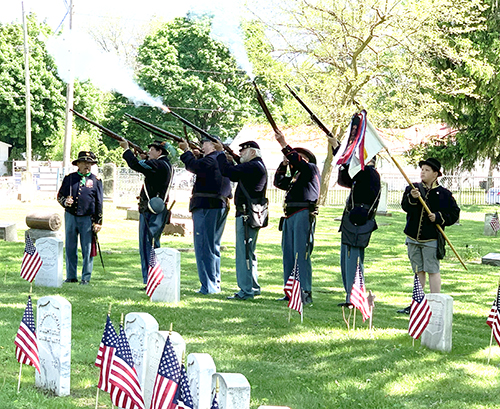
{"points": [[309, 365]]}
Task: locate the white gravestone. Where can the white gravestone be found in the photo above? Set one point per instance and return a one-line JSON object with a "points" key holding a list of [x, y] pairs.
{"points": [[200, 369], [488, 230], [53, 331], [234, 392], [170, 288], [156, 344], [437, 335], [51, 253], [138, 326]]}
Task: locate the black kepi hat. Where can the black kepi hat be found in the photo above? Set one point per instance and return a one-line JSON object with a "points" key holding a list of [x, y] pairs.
{"points": [[433, 163], [159, 145], [249, 144], [307, 153], [85, 156]]}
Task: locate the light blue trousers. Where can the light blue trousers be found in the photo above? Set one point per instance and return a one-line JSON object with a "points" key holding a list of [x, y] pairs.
{"points": [[75, 226], [246, 271]]}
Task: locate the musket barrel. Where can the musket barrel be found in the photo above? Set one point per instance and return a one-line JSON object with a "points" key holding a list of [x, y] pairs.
{"points": [[264, 107]]}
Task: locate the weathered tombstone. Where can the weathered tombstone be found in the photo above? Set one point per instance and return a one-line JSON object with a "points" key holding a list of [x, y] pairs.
{"points": [[382, 205], [488, 230], [156, 344], [200, 369], [8, 231], [234, 392], [437, 335], [138, 326], [170, 288], [54, 344], [108, 181], [492, 259], [51, 253]]}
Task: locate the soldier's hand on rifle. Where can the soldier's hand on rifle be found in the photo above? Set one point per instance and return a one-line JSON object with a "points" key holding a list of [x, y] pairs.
{"points": [[333, 141], [218, 146], [229, 157], [144, 156], [196, 153], [124, 145], [280, 138], [97, 227], [184, 146]]}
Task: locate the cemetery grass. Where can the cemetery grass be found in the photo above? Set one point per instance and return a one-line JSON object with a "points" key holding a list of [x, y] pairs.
{"points": [[310, 365]]}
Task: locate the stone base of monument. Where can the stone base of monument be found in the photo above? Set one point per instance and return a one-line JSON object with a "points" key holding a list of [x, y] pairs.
{"points": [[132, 214], [437, 335], [8, 231], [234, 392], [177, 226], [36, 234], [491, 259]]}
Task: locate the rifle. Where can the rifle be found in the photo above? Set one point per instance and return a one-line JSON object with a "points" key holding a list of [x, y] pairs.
{"points": [[162, 133], [265, 108], [311, 114], [205, 134], [110, 133]]}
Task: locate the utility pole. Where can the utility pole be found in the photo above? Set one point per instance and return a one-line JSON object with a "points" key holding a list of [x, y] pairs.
{"points": [[68, 125]]}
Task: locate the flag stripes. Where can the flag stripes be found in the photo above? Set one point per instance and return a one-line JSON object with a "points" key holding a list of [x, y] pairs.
{"points": [[105, 355], [420, 313], [293, 291], [155, 274], [26, 341], [31, 262], [358, 294]]}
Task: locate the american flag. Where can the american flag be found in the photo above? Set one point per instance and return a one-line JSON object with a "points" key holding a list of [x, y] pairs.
{"points": [[26, 343], [358, 294], [126, 391], [494, 223], [155, 274], [105, 355], [493, 319], [292, 290], [31, 261], [420, 313], [167, 379], [183, 398], [215, 403]]}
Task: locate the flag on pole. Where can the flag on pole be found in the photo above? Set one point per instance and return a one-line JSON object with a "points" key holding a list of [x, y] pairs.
{"points": [[167, 379], [293, 291], [155, 274], [32, 262], [359, 147], [495, 223], [105, 355], [26, 342], [493, 319], [126, 391], [215, 402], [358, 294], [420, 313], [183, 398]]}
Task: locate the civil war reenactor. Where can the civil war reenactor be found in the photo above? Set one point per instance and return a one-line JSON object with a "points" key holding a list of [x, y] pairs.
{"points": [[302, 192], [81, 195], [154, 214], [251, 175], [209, 206]]}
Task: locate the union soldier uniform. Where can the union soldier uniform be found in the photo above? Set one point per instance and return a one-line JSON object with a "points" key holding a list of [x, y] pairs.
{"points": [[85, 211]]}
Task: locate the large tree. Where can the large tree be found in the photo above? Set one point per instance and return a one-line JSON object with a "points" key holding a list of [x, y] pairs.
{"points": [[341, 48]]}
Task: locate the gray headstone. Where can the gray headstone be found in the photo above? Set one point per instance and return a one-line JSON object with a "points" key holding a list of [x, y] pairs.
{"points": [[8, 231], [37, 234], [51, 253], [53, 331], [108, 181], [382, 205], [488, 230], [437, 335], [156, 344], [234, 390], [138, 326], [492, 259], [170, 288], [200, 369]]}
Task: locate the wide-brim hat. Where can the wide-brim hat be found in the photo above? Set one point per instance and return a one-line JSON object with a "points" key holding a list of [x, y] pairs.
{"points": [[159, 145], [307, 153], [249, 144], [85, 156], [433, 163], [205, 138]]}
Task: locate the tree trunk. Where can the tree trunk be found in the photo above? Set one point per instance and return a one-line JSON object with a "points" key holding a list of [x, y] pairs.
{"points": [[326, 173]]}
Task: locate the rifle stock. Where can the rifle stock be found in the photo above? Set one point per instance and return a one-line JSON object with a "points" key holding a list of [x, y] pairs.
{"points": [[206, 135], [311, 113], [162, 133], [110, 133], [264, 107]]}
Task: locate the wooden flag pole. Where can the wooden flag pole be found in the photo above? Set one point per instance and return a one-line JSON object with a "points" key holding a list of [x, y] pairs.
{"points": [[97, 398], [354, 320], [426, 207], [19, 381], [491, 342]]}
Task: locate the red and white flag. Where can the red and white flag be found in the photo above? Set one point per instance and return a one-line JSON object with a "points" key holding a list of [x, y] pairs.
{"points": [[358, 294], [32, 262], [155, 274], [493, 319], [105, 355], [26, 342], [293, 291], [167, 379], [494, 223], [420, 313]]}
